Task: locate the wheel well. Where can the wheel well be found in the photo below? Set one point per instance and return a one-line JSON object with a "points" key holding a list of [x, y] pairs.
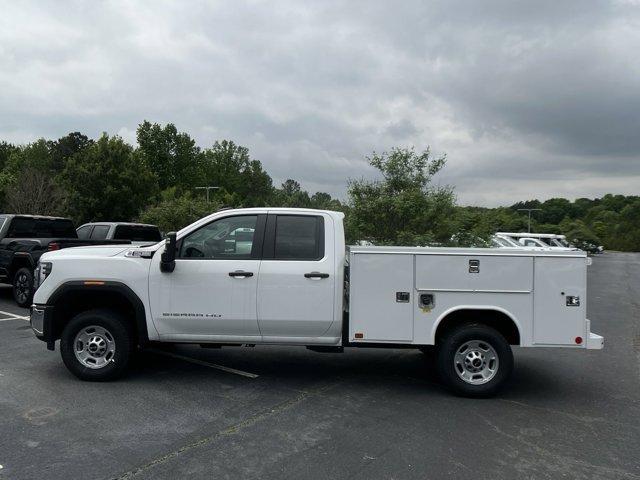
{"points": [[492, 318], [17, 264], [73, 301]]}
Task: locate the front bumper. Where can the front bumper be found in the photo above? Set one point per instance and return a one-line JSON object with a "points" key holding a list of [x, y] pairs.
{"points": [[41, 320], [594, 341]]}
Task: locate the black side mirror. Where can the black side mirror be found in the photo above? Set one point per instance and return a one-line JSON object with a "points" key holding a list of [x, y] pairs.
{"points": [[168, 258]]}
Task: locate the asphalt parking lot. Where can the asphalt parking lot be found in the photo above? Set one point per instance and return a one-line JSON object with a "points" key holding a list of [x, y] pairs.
{"points": [[299, 414]]}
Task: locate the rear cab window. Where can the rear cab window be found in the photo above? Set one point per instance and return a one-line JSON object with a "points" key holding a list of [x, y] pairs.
{"points": [[27, 227], [137, 233]]}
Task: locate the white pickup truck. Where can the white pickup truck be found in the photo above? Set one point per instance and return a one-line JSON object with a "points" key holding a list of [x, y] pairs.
{"points": [[284, 276]]}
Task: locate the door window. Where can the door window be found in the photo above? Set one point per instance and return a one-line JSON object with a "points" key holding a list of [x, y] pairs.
{"points": [[83, 232], [226, 238], [100, 232], [299, 238]]}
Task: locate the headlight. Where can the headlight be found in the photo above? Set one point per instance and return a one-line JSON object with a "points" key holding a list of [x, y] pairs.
{"points": [[41, 273]]}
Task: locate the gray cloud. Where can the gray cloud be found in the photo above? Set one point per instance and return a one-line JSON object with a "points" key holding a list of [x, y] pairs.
{"points": [[528, 99]]}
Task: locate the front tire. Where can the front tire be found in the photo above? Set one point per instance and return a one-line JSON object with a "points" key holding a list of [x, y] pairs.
{"points": [[97, 345], [23, 287], [474, 360]]}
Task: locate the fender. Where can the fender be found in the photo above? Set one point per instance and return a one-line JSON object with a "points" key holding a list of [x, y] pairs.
{"points": [[103, 286], [446, 313]]}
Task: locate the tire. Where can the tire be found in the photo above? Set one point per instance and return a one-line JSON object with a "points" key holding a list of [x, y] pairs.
{"points": [[474, 360], [97, 345], [23, 287]]}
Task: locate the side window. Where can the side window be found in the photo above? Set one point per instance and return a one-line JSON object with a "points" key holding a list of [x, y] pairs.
{"points": [[83, 232], [226, 238], [299, 237], [100, 232]]}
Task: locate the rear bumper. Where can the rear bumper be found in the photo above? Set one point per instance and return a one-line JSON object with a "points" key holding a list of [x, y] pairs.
{"points": [[41, 320], [594, 341]]}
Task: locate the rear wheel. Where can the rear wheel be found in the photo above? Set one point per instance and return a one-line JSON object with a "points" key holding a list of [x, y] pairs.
{"points": [[23, 287], [97, 345], [474, 360]]}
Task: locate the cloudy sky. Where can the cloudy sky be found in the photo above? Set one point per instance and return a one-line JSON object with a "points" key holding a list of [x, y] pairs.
{"points": [[527, 99]]}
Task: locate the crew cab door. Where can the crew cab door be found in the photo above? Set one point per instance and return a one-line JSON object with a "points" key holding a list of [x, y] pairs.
{"points": [[297, 277], [212, 291]]}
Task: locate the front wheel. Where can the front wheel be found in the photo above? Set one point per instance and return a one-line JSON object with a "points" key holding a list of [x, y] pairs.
{"points": [[474, 360], [97, 345], [23, 287]]}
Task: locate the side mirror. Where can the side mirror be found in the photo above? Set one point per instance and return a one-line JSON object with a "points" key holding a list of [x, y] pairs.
{"points": [[168, 258]]}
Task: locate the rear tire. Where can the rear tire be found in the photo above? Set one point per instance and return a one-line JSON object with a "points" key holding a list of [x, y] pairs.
{"points": [[474, 360], [23, 287], [97, 345]]}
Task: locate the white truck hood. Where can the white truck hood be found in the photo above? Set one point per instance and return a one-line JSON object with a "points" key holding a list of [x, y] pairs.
{"points": [[89, 251]]}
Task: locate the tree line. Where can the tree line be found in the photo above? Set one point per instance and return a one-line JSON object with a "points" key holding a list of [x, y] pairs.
{"points": [[154, 182]]}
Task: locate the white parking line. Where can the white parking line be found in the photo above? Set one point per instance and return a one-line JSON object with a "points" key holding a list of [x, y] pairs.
{"points": [[205, 364], [13, 316]]}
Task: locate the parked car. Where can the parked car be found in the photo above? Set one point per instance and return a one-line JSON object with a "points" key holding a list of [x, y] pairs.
{"points": [[539, 240], [293, 282], [23, 239], [588, 246], [136, 233]]}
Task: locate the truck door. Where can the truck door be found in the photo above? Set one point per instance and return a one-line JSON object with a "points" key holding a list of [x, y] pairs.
{"points": [[297, 277], [212, 291]]}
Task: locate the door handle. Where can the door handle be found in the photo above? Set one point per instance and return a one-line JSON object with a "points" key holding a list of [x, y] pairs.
{"points": [[316, 275], [241, 274]]}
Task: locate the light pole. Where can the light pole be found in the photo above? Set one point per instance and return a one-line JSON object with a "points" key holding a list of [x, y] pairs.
{"points": [[207, 189], [529, 210]]}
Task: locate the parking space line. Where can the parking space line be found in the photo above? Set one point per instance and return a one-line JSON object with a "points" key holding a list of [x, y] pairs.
{"points": [[12, 316], [206, 364]]}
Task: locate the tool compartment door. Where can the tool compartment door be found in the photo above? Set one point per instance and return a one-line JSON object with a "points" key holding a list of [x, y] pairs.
{"points": [[555, 322], [474, 273], [381, 298]]}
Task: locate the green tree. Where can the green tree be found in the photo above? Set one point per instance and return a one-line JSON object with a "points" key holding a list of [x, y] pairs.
{"points": [[404, 207], [230, 167], [107, 181], [175, 211], [555, 210], [6, 149], [578, 233], [65, 147], [27, 173], [323, 201], [292, 195], [173, 157], [628, 230]]}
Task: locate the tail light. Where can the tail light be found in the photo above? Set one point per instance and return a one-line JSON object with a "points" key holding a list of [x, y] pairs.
{"points": [[53, 246]]}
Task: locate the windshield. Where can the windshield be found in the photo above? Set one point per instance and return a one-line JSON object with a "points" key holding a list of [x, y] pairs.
{"points": [[500, 242], [507, 242], [531, 242]]}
